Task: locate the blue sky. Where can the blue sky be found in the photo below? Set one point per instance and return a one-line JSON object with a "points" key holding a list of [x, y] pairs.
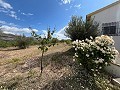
{"points": [[17, 15]]}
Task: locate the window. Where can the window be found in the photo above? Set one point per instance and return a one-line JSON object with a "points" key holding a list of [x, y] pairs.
{"points": [[110, 28]]}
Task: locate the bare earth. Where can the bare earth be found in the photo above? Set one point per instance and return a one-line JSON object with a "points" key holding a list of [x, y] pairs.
{"points": [[32, 51], [17, 66]]}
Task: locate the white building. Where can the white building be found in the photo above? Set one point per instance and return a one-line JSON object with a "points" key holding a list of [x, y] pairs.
{"points": [[109, 21]]}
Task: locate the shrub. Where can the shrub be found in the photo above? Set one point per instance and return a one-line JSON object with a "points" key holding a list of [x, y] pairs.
{"points": [[79, 29], [68, 41], [22, 42], [54, 40], [4, 44], [95, 54]]}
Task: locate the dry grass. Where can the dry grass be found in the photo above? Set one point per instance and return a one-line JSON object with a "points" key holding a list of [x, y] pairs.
{"points": [[21, 71], [8, 55], [20, 68]]}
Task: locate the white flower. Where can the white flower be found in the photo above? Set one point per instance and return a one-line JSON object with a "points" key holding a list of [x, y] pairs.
{"points": [[106, 63], [98, 48], [74, 60], [96, 62], [103, 51], [111, 37], [77, 40], [73, 46], [76, 55], [101, 60], [92, 53], [102, 44], [95, 75], [87, 55], [107, 88], [91, 37], [82, 48], [75, 49], [104, 47], [86, 39], [100, 67], [82, 40]]}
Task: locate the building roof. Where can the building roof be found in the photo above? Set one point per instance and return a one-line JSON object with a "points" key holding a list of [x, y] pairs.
{"points": [[104, 8]]}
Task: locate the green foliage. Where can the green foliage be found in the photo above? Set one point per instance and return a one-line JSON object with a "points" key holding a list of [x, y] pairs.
{"points": [[4, 44], [79, 29], [22, 42], [54, 41], [45, 42], [32, 41], [68, 41]]}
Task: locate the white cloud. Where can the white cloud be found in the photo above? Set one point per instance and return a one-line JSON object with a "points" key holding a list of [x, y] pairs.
{"points": [[9, 32], [65, 2], [3, 10], [16, 30], [66, 9], [77, 6], [13, 14], [5, 5], [61, 33], [27, 14], [2, 22], [7, 9], [44, 33], [8, 24]]}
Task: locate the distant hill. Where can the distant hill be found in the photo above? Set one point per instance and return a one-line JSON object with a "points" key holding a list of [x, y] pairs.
{"points": [[7, 37]]}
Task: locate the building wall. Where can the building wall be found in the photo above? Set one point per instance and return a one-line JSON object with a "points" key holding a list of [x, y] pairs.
{"points": [[117, 42], [111, 14]]}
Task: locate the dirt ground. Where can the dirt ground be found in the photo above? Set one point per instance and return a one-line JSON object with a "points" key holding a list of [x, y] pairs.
{"points": [[19, 65], [8, 54]]}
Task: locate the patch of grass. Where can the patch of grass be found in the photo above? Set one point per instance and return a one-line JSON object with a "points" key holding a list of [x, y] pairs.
{"points": [[14, 61]]}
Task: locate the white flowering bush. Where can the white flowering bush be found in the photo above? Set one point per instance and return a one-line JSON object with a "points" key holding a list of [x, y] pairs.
{"points": [[95, 54]]}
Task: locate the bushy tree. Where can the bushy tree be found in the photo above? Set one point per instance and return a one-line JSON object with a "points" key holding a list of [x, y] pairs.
{"points": [[22, 42], [80, 29]]}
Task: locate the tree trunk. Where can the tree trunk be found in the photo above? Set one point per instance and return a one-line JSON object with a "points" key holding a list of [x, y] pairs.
{"points": [[41, 62]]}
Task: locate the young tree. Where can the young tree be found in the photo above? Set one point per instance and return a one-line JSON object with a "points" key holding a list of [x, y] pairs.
{"points": [[45, 43], [79, 29]]}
